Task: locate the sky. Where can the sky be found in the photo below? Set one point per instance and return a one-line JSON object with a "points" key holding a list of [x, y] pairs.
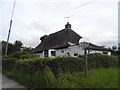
{"points": [[94, 19]]}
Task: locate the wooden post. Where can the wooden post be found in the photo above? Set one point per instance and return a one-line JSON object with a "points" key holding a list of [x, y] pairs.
{"points": [[86, 63]]}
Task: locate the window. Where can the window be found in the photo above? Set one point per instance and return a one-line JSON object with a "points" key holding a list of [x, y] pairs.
{"points": [[62, 51], [75, 54], [68, 53], [46, 53], [53, 53], [105, 52]]}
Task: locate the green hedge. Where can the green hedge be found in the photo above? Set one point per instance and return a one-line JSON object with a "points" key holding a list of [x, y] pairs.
{"points": [[17, 54], [31, 71], [98, 60], [57, 65], [9, 63], [28, 56], [60, 64], [39, 79]]}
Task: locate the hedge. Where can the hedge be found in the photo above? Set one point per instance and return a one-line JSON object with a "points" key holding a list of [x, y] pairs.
{"points": [[42, 72], [98, 60], [60, 64]]}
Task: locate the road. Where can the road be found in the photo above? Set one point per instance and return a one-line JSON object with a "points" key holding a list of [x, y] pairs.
{"points": [[9, 83]]}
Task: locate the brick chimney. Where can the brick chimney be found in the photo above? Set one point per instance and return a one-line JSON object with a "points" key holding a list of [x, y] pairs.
{"points": [[68, 26]]}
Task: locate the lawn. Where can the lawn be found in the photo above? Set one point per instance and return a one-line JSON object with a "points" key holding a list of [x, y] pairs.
{"points": [[98, 78]]}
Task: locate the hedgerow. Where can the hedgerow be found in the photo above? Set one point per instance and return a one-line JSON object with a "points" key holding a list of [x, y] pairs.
{"points": [[35, 67], [60, 64]]}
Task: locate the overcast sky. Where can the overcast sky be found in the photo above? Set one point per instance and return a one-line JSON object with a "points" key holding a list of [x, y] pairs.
{"points": [[32, 19]]}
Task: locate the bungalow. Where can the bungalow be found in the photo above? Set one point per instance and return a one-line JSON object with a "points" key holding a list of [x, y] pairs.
{"points": [[65, 43]]}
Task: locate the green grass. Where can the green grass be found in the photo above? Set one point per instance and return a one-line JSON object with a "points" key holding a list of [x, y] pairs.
{"points": [[98, 78]]}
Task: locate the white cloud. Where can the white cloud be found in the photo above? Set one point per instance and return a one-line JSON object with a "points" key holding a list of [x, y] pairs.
{"points": [[35, 18]]}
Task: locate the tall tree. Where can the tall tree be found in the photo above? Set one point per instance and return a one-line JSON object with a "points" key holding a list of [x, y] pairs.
{"points": [[17, 45], [10, 47], [28, 49]]}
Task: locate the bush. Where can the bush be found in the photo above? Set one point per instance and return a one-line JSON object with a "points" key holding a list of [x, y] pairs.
{"points": [[8, 63], [98, 60], [28, 56], [39, 79], [18, 54], [41, 71]]}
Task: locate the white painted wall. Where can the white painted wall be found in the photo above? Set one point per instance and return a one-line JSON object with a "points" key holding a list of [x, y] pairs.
{"points": [[41, 55], [71, 50], [94, 51]]}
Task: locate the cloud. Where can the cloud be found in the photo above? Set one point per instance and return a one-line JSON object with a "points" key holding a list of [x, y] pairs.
{"points": [[35, 18]]}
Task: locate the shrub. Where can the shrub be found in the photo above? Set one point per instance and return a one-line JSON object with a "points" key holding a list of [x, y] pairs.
{"points": [[66, 64], [18, 54], [99, 60], [41, 71], [9, 63], [39, 79], [28, 56]]}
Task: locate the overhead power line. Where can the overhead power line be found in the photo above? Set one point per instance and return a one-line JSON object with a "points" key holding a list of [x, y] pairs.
{"points": [[60, 13]]}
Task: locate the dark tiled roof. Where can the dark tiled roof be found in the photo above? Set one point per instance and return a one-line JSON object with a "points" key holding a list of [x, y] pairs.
{"points": [[58, 39]]}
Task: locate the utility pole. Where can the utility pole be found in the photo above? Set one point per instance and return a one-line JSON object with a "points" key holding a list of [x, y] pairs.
{"points": [[8, 38], [9, 29]]}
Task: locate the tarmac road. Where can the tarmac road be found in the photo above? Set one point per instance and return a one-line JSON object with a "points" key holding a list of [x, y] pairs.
{"points": [[9, 83]]}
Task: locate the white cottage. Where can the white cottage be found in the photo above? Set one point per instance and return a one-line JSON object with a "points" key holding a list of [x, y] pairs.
{"points": [[64, 43]]}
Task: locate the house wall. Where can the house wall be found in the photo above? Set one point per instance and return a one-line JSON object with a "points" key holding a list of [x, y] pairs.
{"points": [[41, 54], [95, 51], [70, 51]]}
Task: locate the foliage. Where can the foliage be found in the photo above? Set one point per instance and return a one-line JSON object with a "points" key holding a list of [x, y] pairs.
{"points": [[18, 54], [98, 60], [16, 46], [98, 78], [43, 71], [31, 63], [8, 63], [39, 79], [28, 49], [28, 56], [10, 47], [81, 56]]}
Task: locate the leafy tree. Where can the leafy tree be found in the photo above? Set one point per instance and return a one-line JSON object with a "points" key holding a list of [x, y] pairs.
{"points": [[18, 45], [28, 49], [10, 47]]}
